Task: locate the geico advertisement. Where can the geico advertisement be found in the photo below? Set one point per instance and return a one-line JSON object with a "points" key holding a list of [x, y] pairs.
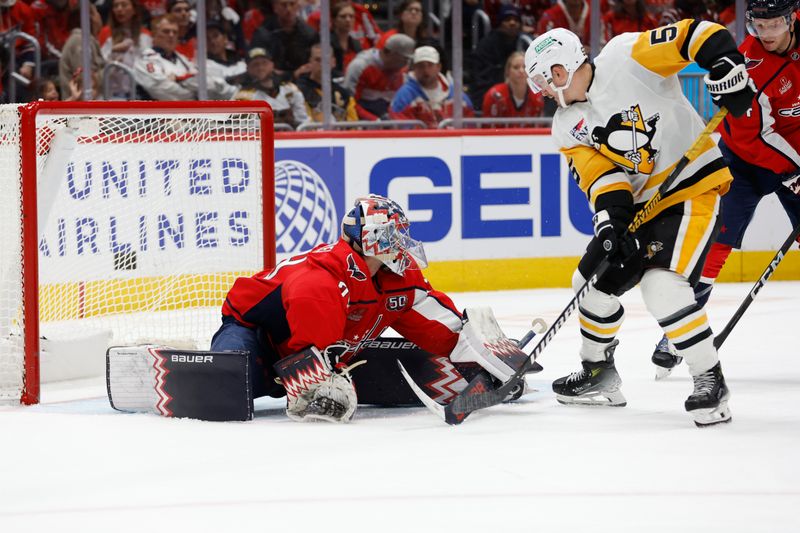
{"points": [[122, 212], [472, 197]]}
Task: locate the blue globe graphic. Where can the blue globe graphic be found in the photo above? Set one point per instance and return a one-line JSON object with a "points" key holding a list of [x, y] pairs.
{"points": [[305, 214]]}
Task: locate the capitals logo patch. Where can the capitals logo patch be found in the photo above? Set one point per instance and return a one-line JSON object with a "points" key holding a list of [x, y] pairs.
{"points": [[580, 131], [355, 272], [751, 63]]}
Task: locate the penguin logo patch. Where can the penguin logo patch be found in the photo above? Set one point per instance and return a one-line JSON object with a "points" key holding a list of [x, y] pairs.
{"points": [[627, 140], [653, 248]]}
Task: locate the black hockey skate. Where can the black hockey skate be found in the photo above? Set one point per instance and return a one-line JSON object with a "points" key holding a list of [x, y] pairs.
{"points": [[665, 357], [595, 384], [708, 404]]}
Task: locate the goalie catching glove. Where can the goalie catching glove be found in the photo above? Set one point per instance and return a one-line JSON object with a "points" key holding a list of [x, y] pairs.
{"points": [[315, 390], [729, 84]]}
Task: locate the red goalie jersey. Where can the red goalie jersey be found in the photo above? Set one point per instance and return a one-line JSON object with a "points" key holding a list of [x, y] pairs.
{"points": [[769, 135], [327, 296]]}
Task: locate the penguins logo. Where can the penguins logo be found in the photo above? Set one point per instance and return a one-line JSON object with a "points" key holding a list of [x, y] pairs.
{"points": [[653, 248], [626, 140]]}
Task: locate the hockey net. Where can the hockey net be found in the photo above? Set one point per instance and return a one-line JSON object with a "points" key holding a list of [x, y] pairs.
{"points": [[127, 222]]}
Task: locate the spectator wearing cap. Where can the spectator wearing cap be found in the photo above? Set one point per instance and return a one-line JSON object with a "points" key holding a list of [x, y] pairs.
{"points": [[488, 60], [365, 30], [187, 39], [166, 74], [427, 95], [513, 97], [262, 83], [573, 15], [343, 105], [70, 65], [375, 75], [123, 40], [223, 61], [287, 38]]}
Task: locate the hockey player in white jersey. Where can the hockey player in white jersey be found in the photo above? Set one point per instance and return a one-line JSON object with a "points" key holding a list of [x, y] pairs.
{"points": [[623, 124]]}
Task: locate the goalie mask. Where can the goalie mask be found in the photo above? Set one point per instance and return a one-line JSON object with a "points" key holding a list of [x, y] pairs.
{"points": [[555, 47], [378, 227]]}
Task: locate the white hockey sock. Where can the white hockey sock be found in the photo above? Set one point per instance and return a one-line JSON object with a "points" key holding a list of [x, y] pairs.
{"points": [[600, 317], [670, 299]]}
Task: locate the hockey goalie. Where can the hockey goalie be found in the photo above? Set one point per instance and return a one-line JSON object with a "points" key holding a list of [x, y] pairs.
{"points": [[309, 330]]}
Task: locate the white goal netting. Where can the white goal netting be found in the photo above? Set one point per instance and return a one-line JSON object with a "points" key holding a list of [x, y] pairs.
{"points": [[145, 219]]}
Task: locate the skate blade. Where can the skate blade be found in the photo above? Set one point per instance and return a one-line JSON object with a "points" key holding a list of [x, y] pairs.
{"points": [[604, 399], [710, 417]]}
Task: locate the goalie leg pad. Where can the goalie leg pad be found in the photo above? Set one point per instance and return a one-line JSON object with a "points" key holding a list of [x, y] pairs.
{"points": [[179, 383], [314, 390]]}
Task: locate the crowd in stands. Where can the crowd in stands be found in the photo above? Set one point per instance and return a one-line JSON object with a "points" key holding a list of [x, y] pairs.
{"points": [[270, 50]]}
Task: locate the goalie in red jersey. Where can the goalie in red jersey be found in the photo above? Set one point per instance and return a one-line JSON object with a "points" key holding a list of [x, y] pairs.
{"points": [[313, 318]]}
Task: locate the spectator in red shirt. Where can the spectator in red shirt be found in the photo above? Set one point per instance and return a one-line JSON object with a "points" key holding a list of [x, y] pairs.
{"points": [[365, 30], [570, 14], [627, 16], [375, 75], [51, 18], [513, 97], [18, 15], [187, 40], [683, 9]]}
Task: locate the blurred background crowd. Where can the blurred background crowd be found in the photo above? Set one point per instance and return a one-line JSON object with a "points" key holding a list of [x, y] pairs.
{"points": [[390, 60]]}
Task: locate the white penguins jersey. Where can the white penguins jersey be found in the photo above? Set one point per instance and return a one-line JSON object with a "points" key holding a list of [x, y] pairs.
{"points": [[636, 123]]}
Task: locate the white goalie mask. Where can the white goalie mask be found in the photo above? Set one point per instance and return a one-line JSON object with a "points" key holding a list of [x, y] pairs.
{"points": [[379, 227], [555, 47]]}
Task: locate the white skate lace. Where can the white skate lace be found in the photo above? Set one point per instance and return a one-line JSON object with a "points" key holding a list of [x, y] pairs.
{"points": [[575, 376], [704, 383]]}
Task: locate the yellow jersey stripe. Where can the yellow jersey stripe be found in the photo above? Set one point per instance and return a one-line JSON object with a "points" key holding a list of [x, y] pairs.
{"points": [[683, 330]]}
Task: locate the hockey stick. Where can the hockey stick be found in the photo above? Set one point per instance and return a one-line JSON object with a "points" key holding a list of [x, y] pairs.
{"points": [[473, 398], [773, 264], [438, 409]]}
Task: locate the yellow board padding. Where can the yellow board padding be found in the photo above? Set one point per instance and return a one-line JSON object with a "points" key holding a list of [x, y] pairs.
{"points": [[548, 272], [75, 300]]}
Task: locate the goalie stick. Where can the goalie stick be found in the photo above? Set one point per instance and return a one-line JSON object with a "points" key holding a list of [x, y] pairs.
{"points": [[477, 397], [479, 383], [771, 267]]}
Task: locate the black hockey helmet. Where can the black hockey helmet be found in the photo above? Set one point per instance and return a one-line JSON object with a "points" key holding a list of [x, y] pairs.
{"points": [[768, 9]]}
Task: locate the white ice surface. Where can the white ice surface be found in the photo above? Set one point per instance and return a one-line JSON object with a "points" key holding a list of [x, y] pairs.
{"points": [[73, 464]]}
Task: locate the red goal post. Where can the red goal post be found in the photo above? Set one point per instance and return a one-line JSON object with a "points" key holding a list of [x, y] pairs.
{"points": [[126, 221]]}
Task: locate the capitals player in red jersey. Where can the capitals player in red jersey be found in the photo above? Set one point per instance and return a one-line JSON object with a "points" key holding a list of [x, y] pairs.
{"points": [[761, 147], [337, 298]]}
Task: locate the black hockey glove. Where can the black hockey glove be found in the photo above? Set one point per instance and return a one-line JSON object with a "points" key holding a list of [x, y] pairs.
{"points": [[730, 85], [611, 229]]}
